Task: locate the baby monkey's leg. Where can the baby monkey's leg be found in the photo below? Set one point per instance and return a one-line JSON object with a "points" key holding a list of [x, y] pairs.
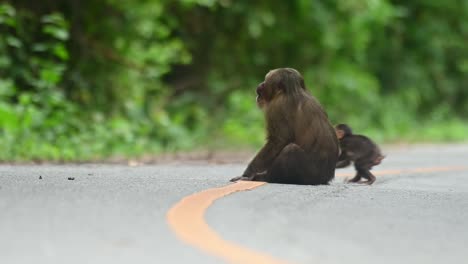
{"points": [[356, 178]]}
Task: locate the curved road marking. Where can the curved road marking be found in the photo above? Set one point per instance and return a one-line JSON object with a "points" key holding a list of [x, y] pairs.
{"points": [[186, 219]]}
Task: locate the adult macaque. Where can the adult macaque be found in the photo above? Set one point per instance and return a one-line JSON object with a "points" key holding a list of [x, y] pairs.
{"points": [[301, 146], [360, 150]]}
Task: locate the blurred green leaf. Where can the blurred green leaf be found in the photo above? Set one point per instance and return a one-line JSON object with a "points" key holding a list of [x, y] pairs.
{"points": [[61, 52], [14, 42], [8, 117], [56, 32]]}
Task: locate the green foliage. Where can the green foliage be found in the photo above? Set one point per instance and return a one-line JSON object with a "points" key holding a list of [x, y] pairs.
{"points": [[31, 102], [93, 79]]}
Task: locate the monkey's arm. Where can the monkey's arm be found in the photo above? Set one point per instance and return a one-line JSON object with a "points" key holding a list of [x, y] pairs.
{"points": [[264, 158], [343, 163], [343, 160]]}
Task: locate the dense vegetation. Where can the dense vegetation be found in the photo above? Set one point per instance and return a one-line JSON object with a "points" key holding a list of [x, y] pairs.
{"points": [[91, 79]]}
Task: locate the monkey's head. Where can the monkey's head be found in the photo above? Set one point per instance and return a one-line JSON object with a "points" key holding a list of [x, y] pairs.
{"points": [[343, 130], [282, 81]]}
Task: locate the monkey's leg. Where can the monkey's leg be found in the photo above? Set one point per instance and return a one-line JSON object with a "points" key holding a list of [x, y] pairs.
{"points": [[290, 166], [359, 173], [370, 178], [260, 176], [363, 170]]}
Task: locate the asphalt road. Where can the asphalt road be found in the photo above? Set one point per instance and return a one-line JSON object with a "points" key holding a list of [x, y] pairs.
{"points": [[117, 214]]}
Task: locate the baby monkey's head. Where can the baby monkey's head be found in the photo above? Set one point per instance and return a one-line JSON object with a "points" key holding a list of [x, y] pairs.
{"points": [[343, 130]]}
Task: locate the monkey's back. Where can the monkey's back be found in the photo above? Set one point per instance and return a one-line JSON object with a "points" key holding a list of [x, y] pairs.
{"points": [[316, 136], [361, 149]]}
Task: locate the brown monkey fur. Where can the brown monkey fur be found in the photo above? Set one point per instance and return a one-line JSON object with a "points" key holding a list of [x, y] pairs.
{"points": [[301, 147], [360, 150]]}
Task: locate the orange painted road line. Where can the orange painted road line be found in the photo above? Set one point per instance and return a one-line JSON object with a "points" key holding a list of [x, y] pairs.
{"points": [[186, 219]]}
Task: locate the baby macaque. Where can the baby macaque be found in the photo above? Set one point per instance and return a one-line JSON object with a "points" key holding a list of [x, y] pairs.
{"points": [[360, 150]]}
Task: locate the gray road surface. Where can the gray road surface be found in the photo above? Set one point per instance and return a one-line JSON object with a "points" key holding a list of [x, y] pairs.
{"points": [[116, 214]]}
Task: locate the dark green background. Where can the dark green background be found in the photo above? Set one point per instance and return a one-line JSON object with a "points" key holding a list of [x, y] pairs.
{"points": [[84, 80]]}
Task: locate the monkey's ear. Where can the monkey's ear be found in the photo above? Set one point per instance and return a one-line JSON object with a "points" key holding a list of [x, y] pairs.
{"points": [[282, 85], [278, 91]]}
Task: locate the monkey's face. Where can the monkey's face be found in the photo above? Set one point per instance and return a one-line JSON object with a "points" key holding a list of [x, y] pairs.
{"points": [[278, 82], [339, 133], [343, 130], [262, 95], [266, 90]]}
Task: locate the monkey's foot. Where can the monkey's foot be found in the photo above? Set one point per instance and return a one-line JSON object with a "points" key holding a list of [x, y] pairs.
{"points": [[368, 182], [353, 180], [240, 178]]}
